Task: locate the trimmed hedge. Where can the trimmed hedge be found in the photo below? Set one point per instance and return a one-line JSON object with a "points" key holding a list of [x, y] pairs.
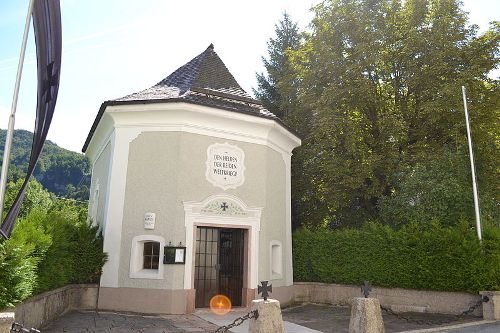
{"points": [[48, 250], [414, 257]]}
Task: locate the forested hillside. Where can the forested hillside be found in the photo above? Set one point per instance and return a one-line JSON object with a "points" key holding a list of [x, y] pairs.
{"points": [[62, 172]]}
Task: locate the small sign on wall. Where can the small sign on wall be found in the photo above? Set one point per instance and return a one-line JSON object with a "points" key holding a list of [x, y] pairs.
{"points": [[174, 255], [149, 220]]}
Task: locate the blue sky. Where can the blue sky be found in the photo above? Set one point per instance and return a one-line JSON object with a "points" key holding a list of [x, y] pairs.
{"points": [[115, 47]]}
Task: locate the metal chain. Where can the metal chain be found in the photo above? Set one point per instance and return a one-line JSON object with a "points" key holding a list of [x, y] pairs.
{"points": [[16, 327], [438, 322], [238, 321]]}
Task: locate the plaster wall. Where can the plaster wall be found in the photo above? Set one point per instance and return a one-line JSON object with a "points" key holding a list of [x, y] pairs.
{"points": [[99, 184], [273, 223], [166, 168], [41, 309]]}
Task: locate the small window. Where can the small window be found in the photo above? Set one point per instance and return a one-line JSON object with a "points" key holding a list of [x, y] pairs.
{"points": [[276, 260], [151, 255], [95, 204], [145, 254]]}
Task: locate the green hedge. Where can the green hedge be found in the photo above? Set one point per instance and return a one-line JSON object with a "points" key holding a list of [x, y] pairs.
{"points": [[414, 257], [47, 250]]}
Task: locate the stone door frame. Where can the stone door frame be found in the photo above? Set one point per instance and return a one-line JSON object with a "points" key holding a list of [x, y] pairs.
{"points": [[238, 215]]}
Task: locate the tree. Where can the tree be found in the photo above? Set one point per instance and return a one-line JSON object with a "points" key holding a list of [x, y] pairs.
{"points": [[35, 196], [277, 88], [20, 257], [383, 80], [49, 249], [437, 190], [56, 169]]}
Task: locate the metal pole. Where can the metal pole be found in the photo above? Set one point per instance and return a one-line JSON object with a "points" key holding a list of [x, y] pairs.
{"points": [[12, 117], [474, 185]]}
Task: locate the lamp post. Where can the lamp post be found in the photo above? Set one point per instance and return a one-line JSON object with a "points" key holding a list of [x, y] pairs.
{"points": [[473, 169]]}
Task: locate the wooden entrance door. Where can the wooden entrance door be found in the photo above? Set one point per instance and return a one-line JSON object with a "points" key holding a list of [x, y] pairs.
{"points": [[218, 264]]}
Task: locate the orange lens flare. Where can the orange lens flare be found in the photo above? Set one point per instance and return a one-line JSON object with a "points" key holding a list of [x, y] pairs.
{"points": [[220, 305]]}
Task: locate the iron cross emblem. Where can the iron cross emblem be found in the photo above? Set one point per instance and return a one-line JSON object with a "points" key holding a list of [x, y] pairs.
{"points": [[50, 82], [265, 289], [224, 206], [366, 288]]}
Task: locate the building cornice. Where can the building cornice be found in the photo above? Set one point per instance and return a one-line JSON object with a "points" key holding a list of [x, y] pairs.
{"points": [[140, 104], [191, 118]]}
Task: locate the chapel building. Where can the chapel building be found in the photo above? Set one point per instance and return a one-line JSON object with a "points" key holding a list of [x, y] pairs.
{"points": [[191, 189]]}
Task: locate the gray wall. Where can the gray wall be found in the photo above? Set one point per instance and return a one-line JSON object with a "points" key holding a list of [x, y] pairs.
{"points": [[167, 168], [42, 309], [100, 173]]}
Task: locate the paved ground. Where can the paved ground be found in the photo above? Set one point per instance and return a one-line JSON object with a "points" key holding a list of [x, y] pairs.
{"points": [[485, 328], [309, 318], [329, 319], [476, 327], [230, 317], [76, 322]]}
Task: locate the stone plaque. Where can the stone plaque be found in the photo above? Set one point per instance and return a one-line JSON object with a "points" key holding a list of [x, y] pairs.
{"points": [[223, 207], [149, 220], [225, 165]]}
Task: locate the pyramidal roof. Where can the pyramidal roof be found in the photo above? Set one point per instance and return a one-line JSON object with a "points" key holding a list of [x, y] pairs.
{"points": [[203, 80]]}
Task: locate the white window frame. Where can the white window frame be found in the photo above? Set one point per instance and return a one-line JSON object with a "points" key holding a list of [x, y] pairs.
{"points": [[276, 264], [137, 258], [95, 204]]}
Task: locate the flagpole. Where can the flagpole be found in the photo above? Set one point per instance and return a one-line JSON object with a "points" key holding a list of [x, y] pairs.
{"points": [[12, 117], [473, 169]]}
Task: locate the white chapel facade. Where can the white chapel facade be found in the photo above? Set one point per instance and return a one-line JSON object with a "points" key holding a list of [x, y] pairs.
{"points": [[191, 189]]}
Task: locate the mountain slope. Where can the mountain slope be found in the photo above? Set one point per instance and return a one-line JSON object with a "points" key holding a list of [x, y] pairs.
{"points": [[61, 171]]}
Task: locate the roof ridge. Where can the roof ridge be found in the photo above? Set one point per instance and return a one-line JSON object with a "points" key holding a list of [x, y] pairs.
{"points": [[213, 74], [183, 81], [205, 72], [204, 80]]}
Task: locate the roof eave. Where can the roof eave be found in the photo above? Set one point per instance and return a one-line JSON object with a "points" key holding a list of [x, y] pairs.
{"points": [[105, 104]]}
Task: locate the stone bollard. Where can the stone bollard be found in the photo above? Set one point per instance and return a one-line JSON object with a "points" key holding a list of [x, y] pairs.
{"points": [[6, 321], [491, 309], [366, 316], [270, 320]]}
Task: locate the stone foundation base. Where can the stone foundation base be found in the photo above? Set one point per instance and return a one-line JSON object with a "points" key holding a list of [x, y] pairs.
{"points": [[269, 319], [6, 321], [366, 316], [491, 309], [142, 300]]}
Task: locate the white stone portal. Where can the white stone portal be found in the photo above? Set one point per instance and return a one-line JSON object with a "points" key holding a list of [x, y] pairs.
{"points": [[210, 212]]}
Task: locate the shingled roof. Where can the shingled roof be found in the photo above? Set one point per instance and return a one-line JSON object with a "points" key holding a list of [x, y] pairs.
{"points": [[204, 80]]}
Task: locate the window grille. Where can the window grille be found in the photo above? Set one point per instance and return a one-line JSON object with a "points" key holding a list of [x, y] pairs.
{"points": [[151, 255]]}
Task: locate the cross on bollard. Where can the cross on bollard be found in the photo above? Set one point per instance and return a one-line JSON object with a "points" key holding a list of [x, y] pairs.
{"points": [[264, 289], [366, 288]]}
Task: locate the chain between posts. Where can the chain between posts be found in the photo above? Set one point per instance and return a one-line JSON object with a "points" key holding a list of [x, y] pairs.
{"points": [[16, 327], [238, 321], [470, 310]]}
